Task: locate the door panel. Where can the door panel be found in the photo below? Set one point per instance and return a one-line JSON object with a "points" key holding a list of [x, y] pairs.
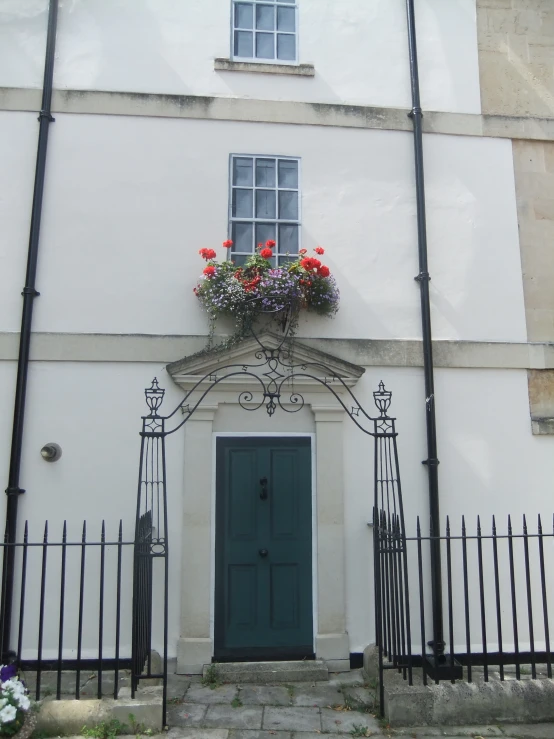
{"points": [[263, 549]]}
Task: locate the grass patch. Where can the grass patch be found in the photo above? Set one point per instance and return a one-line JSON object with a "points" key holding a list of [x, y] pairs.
{"points": [[212, 678]]}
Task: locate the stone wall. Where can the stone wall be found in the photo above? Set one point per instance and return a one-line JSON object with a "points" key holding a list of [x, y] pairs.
{"points": [[516, 57], [534, 178]]}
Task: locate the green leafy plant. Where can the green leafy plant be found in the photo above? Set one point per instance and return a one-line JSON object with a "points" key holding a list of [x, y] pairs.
{"points": [[359, 730], [139, 729], [212, 678], [106, 730], [236, 702]]}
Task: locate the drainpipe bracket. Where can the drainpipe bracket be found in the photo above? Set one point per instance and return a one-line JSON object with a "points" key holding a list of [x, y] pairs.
{"points": [[14, 491], [46, 114], [415, 111], [30, 291], [431, 462], [423, 276]]}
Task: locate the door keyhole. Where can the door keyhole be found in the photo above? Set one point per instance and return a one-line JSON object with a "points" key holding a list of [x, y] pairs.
{"points": [[263, 491]]}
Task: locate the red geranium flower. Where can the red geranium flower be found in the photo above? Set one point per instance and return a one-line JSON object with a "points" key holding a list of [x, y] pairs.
{"points": [[319, 250], [303, 251], [207, 254], [227, 243], [323, 271], [310, 263], [266, 253], [209, 271], [260, 245], [270, 244]]}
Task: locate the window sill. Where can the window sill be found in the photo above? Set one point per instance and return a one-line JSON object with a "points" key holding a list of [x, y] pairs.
{"points": [[542, 426], [228, 65]]}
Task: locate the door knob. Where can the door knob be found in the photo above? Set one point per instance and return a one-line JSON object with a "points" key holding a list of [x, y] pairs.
{"points": [[263, 552], [263, 491]]}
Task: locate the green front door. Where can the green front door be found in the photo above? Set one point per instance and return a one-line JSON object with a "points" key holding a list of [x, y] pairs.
{"points": [[263, 584]]}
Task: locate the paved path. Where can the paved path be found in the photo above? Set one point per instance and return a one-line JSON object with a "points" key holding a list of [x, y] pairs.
{"points": [[340, 708]]}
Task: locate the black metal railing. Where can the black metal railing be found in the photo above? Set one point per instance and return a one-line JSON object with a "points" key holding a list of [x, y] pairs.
{"points": [[72, 598], [498, 589], [142, 600]]}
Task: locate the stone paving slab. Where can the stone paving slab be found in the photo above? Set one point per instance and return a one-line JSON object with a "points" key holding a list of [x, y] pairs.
{"points": [[227, 717], [354, 677], [264, 695], [186, 714], [311, 735], [177, 686], [292, 719], [199, 734], [342, 722], [321, 696], [528, 731], [209, 696], [244, 734], [422, 732], [360, 695]]}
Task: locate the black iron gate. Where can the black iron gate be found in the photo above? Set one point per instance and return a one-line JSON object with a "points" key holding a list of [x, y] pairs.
{"points": [[273, 376]]}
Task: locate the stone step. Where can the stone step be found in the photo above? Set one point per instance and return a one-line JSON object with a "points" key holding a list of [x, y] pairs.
{"points": [[271, 672]]}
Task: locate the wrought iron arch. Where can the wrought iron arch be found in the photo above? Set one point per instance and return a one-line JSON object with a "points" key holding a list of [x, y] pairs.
{"points": [[273, 374]]}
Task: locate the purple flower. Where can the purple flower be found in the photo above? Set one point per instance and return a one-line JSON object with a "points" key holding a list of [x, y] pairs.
{"points": [[7, 672]]}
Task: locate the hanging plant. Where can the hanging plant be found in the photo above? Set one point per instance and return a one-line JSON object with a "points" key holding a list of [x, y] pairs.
{"points": [[258, 288]]}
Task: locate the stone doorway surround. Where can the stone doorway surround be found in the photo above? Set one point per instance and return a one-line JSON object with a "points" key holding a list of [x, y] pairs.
{"points": [[195, 645]]}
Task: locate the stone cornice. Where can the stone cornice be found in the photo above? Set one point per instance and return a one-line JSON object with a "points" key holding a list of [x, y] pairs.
{"points": [[98, 102], [67, 347]]}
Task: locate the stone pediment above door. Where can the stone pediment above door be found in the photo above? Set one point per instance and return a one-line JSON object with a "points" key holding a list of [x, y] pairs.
{"points": [[268, 357]]}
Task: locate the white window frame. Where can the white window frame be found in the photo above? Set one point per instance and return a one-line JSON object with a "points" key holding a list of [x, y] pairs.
{"points": [[259, 60], [277, 221]]}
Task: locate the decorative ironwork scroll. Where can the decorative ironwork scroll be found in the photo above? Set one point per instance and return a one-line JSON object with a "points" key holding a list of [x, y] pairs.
{"points": [[271, 384]]}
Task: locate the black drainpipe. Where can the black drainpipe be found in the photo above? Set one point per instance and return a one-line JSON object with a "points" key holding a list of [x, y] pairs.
{"points": [[13, 491], [423, 278]]}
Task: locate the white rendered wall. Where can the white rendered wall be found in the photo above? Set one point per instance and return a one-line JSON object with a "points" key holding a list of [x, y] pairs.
{"points": [[129, 201], [18, 145], [490, 463], [93, 410], [359, 49]]}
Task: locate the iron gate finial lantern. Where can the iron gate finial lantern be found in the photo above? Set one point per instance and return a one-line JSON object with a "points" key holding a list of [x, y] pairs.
{"points": [[154, 397], [382, 398]]}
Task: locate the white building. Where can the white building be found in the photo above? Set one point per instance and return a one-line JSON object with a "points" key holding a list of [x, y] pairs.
{"points": [[152, 100]]}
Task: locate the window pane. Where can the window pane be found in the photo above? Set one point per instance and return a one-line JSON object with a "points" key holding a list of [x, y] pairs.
{"points": [[242, 172], [286, 1], [243, 44], [242, 237], [264, 46], [243, 15], [286, 47], [265, 204], [288, 173], [288, 206], [265, 172], [239, 260], [285, 19], [288, 239], [265, 17], [285, 261], [242, 203], [265, 232]]}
